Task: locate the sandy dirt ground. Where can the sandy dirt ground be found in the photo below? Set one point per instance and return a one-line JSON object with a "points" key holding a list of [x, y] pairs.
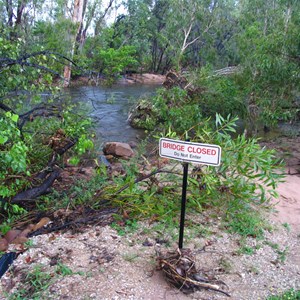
{"points": [[287, 209], [108, 265]]}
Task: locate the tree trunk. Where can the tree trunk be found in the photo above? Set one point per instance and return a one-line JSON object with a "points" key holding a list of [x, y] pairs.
{"points": [[21, 6], [77, 19], [10, 13]]}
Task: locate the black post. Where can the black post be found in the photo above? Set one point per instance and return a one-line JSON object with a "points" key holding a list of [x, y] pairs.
{"points": [[183, 202]]}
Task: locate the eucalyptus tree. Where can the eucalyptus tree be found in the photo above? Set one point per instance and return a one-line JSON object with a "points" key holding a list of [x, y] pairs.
{"points": [[268, 50], [176, 33], [17, 17], [19, 13], [159, 43]]}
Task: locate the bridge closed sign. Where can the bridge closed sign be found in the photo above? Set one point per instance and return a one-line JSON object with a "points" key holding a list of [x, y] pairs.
{"points": [[205, 154]]}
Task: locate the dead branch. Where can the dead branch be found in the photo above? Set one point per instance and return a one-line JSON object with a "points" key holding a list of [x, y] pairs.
{"points": [[6, 108], [144, 178], [51, 173], [35, 192], [42, 110], [23, 60], [100, 216]]}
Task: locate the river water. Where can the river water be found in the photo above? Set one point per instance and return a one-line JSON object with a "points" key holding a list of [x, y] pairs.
{"points": [[109, 108]]}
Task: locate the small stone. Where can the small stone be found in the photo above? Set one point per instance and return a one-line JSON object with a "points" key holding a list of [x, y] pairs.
{"points": [[147, 243], [3, 244], [11, 235], [133, 144], [118, 149]]}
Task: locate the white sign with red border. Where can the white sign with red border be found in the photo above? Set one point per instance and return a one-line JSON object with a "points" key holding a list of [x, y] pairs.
{"points": [[205, 154]]}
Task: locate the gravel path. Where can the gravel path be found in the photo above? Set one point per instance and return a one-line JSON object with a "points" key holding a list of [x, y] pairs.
{"points": [[105, 265], [98, 263]]}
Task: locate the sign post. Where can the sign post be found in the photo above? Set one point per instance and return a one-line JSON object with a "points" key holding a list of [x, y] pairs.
{"points": [[183, 202], [186, 152]]}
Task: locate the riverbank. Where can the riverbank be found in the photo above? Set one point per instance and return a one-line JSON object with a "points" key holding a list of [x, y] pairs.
{"points": [[119, 262], [287, 207], [135, 78]]}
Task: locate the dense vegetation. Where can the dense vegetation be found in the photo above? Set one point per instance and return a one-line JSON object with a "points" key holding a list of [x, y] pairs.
{"points": [[234, 57]]}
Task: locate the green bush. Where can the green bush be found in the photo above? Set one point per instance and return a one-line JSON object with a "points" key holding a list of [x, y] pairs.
{"points": [[289, 295], [13, 156]]}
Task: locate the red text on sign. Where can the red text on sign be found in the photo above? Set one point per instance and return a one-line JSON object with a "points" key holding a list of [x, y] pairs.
{"points": [[173, 146], [199, 150]]}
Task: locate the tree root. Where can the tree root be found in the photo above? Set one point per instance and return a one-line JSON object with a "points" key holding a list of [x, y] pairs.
{"points": [[180, 270]]}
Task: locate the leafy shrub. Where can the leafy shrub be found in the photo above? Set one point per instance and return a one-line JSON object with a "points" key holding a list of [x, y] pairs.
{"points": [[13, 156], [248, 173], [288, 295], [167, 108], [111, 62]]}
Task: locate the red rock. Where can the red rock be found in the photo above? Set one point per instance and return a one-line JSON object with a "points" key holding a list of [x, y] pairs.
{"points": [[118, 149], [20, 240], [11, 235], [3, 244]]}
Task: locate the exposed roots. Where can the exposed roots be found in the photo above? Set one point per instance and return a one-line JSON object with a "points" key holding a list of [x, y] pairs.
{"points": [[180, 271]]}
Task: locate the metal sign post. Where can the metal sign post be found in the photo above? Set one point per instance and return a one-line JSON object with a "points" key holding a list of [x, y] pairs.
{"points": [[186, 152], [183, 202]]}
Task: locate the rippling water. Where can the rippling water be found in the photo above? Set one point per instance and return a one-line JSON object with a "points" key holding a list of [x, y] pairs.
{"points": [[109, 109]]}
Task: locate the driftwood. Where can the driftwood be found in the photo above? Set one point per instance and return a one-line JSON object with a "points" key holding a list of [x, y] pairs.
{"points": [[180, 271], [174, 79]]}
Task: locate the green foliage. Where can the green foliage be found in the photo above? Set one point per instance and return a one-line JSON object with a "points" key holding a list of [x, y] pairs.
{"points": [[282, 254], [246, 223], [245, 180], [14, 171], [246, 250], [221, 94], [81, 193], [267, 49], [112, 62], [64, 270], [288, 295], [287, 226], [36, 283], [128, 227], [25, 145], [169, 108], [247, 174]]}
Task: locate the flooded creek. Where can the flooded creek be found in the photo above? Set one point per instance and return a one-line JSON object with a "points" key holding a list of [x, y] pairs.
{"points": [[109, 109]]}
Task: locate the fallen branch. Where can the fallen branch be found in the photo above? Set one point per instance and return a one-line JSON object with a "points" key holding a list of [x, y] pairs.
{"points": [[144, 178], [35, 192], [100, 215], [42, 110]]}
